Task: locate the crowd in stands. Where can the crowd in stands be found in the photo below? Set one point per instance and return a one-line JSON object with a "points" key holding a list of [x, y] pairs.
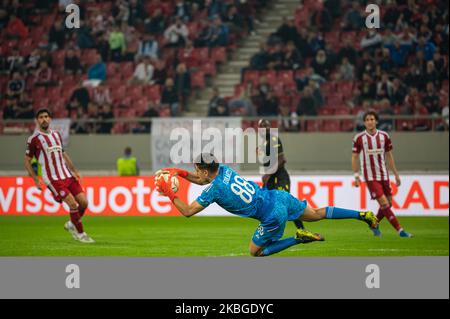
{"points": [[135, 58], [128, 58], [325, 61]]}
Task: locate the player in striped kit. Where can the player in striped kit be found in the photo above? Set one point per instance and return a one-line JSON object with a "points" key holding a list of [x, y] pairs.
{"points": [[374, 148], [58, 172]]}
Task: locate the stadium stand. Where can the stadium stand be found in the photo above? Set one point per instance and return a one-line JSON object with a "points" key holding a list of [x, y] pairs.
{"points": [[320, 61]]}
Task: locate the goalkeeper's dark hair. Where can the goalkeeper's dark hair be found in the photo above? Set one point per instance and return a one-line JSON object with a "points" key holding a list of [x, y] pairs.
{"points": [[207, 161]]}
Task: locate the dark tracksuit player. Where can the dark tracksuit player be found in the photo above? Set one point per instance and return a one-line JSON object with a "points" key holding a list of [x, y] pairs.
{"points": [[280, 179]]}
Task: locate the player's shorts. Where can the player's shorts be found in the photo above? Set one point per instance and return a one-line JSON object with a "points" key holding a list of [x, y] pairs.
{"points": [[285, 208], [379, 188], [61, 189], [280, 180]]}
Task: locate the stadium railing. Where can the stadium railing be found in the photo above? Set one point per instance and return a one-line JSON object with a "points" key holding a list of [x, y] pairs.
{"points": [[301, 124]]}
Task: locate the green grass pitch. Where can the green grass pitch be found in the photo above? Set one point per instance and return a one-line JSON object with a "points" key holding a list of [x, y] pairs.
{"points": [[212, 236]]}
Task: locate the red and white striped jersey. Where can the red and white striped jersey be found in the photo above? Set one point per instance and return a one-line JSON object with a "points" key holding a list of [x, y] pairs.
{"points": [[372, 150], [48, 150]]}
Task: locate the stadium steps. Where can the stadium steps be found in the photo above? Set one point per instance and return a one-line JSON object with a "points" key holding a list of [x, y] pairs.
{"points": [[229, 74]]}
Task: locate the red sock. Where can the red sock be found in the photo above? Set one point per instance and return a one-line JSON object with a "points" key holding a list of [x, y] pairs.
{"points": [[76, 220], [380, 215], [81, 211], [391, 218]]}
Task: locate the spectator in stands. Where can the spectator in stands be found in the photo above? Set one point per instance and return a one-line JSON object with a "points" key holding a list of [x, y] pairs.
{"points": [[220, 33], [97, 71], [386, 63], [213, 102], [156, 23], [440, 65], [412, 101], [354, 19], [176, 34], [84, 36], [183, 85], [131, 42], [16, 86], [136, 12], [57, 35], [315, 43], [79, 124], [385, 109], [24, 108], [317, 95], [348, 51], [389, 38], [151, 112], [72, 107], [385, 85], [287, 32], [43, 75], [445, 116], [419, 60], [16, 28], [169, 96], [15, 62], [371, 40], [204, 37], [10, 109], [121, 11], [215, 8], [270, 105], [263, 86], [260, 59], [307, 104], [81, 95], [221, 109], [182, 11], [368, 87], [414, 76], [234, 20], [143, 73], [346, 70], [101, 95], [321, 65], [104, 114], [431, 99], [288, 121], [421, 124], [102, 46], [148, 47], [431, 75], [427, 47], [160, 72], [242, 104], [321, 17], [406, 37], [398, 53], [72, 63], [276, 57], [366, 65], [398, 92], [292, 59], [117, 44]]}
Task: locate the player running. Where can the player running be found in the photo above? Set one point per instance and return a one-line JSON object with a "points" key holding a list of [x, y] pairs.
{"points": [[273, 208], [373, 148], [59, 174], [280, 179]]}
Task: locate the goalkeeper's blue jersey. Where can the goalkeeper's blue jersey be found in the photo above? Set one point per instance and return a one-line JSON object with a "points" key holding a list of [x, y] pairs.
{"points": [[238, 196]]}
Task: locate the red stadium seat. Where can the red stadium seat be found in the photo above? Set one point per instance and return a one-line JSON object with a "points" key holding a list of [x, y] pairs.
{"points": [[209, 68], [219, 55], [135, 92], [270, 75], [251, 76], [164, 111], [153, 92], [286, 76], [198, 80], [330, 126]]}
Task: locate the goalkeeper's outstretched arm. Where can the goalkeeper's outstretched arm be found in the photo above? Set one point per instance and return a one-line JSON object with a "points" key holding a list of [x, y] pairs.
{"points": [[185, 209]]}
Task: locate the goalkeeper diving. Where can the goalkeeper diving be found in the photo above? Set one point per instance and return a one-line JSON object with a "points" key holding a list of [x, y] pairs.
{"points": [[272, 208]]}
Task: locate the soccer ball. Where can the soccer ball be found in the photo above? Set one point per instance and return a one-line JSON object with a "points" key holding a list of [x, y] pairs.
{"points": [[175, 183]]}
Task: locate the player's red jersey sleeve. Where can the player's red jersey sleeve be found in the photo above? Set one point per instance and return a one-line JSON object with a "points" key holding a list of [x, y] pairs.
{"points": [[31, 147], [388, 144], [356, 148]]}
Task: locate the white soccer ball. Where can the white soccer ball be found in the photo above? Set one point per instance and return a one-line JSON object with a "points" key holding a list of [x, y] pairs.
{"points": [[175, 183]]}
